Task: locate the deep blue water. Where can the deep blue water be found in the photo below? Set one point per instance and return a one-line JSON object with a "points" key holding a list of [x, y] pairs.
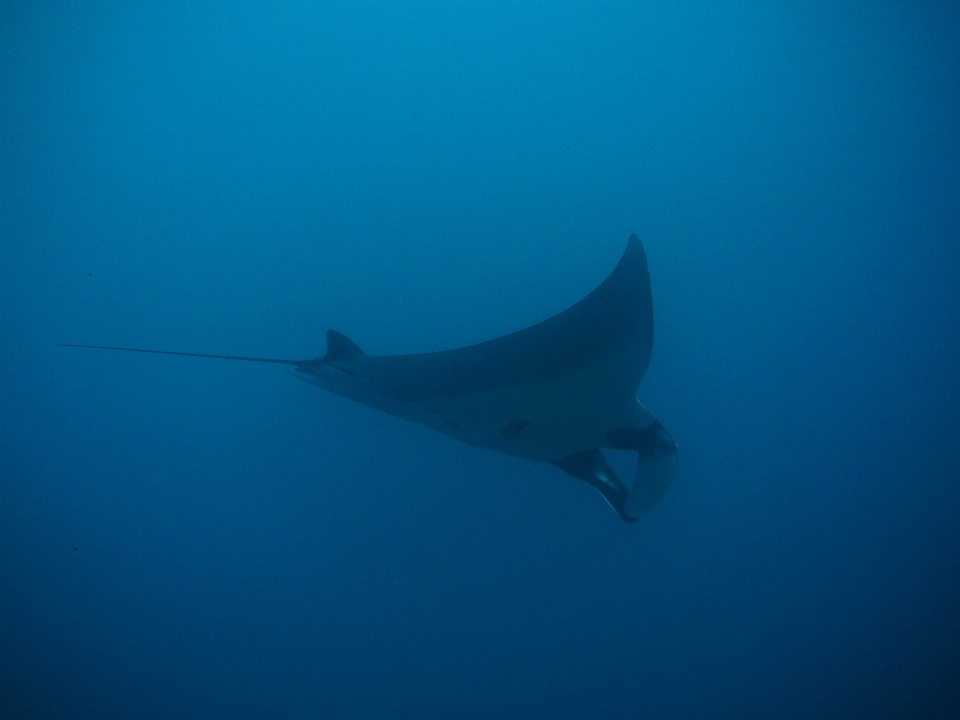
{"points": [[197, 538]]}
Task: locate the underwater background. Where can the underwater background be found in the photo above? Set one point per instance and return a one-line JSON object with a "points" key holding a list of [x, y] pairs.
{"points": [[193, 538]]}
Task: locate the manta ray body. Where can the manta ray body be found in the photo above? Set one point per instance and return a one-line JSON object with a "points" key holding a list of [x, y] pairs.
{"points": [[556, 392]]}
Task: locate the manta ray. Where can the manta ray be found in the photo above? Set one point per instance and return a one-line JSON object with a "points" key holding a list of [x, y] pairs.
{"points": [[556, 392]]}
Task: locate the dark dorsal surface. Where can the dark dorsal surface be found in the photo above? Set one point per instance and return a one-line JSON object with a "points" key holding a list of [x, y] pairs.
{"points": [[615, 321]]}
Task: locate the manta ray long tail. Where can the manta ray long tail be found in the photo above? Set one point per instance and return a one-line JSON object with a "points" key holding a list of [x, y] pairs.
{"points": [[276, 361]]}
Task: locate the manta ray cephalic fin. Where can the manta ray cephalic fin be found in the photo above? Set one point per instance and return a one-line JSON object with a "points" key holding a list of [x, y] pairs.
{"points": [[592, 467]]}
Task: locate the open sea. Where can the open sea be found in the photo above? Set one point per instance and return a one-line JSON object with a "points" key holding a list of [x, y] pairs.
{"points": [[197, 538]]}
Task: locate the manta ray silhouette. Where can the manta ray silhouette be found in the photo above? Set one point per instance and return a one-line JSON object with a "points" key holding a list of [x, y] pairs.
{"points": [[557, 391]]}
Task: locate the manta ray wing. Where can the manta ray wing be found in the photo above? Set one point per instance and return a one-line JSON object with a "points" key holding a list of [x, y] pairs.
{"points": [[614, 321]]}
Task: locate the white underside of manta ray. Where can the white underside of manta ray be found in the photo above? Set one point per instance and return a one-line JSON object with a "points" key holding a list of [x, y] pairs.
{"points": [[557, 391]]}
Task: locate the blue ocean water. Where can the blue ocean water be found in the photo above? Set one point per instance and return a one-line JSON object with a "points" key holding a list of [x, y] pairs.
{"points": [[196, 538]]}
